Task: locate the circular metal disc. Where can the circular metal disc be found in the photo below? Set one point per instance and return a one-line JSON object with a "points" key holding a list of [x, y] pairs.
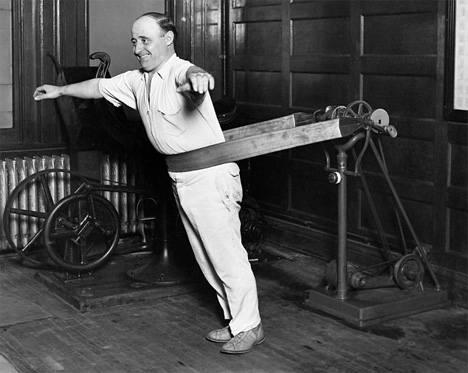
{"points": [[408, 272], [380, 118]]}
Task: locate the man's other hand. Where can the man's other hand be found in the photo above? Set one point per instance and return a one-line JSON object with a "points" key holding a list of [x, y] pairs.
{"points": [[199, 82], [46, 91]]}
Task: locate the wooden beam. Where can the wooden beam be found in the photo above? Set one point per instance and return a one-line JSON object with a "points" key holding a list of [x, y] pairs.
{"points": [[290, 132], [272, 125]]}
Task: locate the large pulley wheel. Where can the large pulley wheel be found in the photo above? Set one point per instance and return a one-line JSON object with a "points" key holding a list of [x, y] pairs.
{"points": [[81, 231], [29, 205], [408, 272]]}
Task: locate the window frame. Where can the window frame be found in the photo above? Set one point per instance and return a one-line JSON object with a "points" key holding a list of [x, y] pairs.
{"points": [[450, 113]]}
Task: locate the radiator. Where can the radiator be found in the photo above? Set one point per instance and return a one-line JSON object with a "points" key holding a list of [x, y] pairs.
{"points": [[121, 170], [114, 170]]}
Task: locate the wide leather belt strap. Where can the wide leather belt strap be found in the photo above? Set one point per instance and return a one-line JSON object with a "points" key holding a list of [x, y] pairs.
{"points": [[263, 138]]}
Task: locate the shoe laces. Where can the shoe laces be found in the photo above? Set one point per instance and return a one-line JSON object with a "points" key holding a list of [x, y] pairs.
{"points": [[220, 332], [237, 337]]}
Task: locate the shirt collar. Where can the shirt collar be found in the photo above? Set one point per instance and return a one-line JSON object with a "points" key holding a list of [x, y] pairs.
{"points": [[163, 71]]}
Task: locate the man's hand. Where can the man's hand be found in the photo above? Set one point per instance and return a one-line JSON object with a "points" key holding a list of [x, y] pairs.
{"points": [[88, 89], [46, 91], [198, 82]]}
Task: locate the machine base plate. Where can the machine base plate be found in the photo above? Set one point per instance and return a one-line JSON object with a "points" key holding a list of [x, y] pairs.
{"points": [[110, 285], [372, 306]]}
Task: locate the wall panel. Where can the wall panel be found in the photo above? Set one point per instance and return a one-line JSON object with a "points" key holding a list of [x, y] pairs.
{"points": [[320, 36], [456, 234], [419, 212], [458, 158], [394, 34], [39, 28], [406, 96], [311, 194], [318, 89], [270, 180], [454, 238], [258, 87], [406, 159], [257, 38], [387, 53], [206, 32]]}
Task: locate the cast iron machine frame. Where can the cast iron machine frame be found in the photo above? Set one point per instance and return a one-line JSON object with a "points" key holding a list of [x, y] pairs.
{"points": [[78, 227], [363, 296]]}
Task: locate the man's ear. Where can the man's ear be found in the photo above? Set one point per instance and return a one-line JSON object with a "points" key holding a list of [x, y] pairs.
{"points": [[169, 37]]}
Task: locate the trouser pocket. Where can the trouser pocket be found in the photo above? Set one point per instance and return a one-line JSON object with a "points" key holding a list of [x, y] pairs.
{"points": [[229, 185]]}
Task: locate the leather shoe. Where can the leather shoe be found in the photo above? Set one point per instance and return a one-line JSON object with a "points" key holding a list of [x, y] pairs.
{"points": [[244, 341], [220, 335]]}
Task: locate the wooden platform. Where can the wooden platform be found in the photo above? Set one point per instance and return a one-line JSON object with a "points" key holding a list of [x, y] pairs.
{"points": [[111, 286], [167, 334], [372, 306]]}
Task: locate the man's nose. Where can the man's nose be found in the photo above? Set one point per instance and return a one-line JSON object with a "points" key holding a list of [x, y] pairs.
{"points": [[137, 47]]}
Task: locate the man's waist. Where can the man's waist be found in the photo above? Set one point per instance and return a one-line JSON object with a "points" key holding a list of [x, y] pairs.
{"points": [[201, 158]]}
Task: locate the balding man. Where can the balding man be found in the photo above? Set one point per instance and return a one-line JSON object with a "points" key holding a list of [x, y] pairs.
{"points": [[172, 97]]}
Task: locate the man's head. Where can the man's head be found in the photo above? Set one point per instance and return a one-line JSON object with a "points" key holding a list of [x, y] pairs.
{"points": [[153, 38]]}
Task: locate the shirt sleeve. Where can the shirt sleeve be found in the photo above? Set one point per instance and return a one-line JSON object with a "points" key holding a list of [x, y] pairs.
{"points": [[180, 76], [180, 71], [118, 90]]}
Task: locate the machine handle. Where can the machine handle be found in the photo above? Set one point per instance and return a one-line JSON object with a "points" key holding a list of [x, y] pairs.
{"points": [[380, 122]]}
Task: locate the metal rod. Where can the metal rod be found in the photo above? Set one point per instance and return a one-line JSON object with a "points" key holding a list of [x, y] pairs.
{"points": [[342, 288], [400, 226], [421, 251], [375, 215]]}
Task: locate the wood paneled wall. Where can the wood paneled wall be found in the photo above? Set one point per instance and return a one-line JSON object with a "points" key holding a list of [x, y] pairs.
{"points": [[200, 25], [288, 56], [41, 27], [280, 56]]}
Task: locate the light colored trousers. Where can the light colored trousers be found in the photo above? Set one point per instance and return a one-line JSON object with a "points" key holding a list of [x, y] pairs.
{"points": [[208, 202]]}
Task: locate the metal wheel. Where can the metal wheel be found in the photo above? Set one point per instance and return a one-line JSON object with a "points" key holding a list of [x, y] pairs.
{"points": [[29, 204], [358, 109], [81, 231], [408, 272]]}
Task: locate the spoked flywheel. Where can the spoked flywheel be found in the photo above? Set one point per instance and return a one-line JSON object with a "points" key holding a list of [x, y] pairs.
{"points": [[81, 231], [28, 206], [358, 109]]}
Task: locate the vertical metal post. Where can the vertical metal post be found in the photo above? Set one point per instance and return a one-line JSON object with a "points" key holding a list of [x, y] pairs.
{"points": [[342, 227]]}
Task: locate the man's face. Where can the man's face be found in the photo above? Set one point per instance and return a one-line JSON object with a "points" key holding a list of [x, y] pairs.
{"points": [[150, 44]]}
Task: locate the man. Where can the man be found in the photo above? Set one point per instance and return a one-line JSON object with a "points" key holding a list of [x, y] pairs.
{"points": [[176, 109]]}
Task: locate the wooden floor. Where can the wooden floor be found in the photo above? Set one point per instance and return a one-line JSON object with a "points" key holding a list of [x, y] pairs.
{"points": [[167, 334]]}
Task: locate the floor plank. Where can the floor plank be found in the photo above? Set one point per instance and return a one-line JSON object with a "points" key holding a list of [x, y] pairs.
{"points": [[167, 334]]}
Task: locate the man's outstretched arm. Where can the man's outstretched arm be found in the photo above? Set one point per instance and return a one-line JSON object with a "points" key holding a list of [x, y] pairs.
{"points": [[198, 83], [88, 89]]}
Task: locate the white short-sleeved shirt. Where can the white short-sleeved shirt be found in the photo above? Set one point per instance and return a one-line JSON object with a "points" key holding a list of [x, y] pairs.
{"points": [[173, 123]]}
